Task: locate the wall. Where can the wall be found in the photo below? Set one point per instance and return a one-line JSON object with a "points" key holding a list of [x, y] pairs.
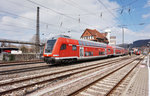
{"points": [[21, 57]]}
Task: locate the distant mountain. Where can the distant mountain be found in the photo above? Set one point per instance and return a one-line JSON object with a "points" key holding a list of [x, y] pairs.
{"points": [[140, 43], [124, 45]]}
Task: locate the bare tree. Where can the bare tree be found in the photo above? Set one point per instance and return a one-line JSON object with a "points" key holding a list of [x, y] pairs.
{"points": [[24, 48], [33, 47]]}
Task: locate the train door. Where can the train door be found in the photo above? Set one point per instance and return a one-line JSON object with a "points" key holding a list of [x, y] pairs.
{"points": [[114, 52], [105, 51], [81, 51]]}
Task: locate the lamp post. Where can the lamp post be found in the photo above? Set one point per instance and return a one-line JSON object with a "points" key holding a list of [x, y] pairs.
{"points": [[149, 47], [123, 36], [148, 53], [122, 27]]}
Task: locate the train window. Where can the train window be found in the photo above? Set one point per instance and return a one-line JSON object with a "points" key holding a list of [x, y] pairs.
{"points": [[90, 44], [86, 53], [74, 47], [49, 46], [83, 43], [87, 43], [101, 53], [109, 50], [63, 47], [90, 53], [80, 42]]}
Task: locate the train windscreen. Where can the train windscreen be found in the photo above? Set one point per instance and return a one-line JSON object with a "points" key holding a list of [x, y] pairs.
{"points": [[49, 46]]}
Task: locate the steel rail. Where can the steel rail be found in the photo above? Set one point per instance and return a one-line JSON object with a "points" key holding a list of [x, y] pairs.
{"points": [[94, 82], [120, 81], [21, 63], [56, 78]]}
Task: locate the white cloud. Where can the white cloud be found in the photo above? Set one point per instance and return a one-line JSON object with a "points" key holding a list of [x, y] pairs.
{"points": [[146, 16], [89, 11], [147, 4], [84, 8]]}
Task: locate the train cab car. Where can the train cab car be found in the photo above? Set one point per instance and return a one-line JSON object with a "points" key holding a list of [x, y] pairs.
{"points": [[65, 49], [59, 48]]}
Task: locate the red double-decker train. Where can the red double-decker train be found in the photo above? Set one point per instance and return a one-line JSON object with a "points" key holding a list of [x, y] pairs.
{"points": [[65, 49]]}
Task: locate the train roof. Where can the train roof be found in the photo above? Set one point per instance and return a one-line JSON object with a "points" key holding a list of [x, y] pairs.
{"points": [[81, 41], [118, 47], [57, 36], [92, 43]]}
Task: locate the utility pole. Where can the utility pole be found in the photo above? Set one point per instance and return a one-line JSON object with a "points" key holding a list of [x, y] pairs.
{"points": [[123, 36], [37, 32]]}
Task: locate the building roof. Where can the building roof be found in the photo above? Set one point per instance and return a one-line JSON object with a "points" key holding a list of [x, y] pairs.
{"points": [[104, 34], [96, 33]]}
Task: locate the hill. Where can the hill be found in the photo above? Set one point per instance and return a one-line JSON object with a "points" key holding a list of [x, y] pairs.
{"points": [[140, 43]]}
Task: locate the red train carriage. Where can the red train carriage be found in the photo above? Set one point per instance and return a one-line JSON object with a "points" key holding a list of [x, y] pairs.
{"points": [[138, 52], [118, 51], [65, 49]]}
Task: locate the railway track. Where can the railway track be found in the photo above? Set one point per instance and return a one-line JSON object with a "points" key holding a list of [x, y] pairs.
{"points": [[13, 71], [6, 70], [31, 83], [99, 83], [4, 64], [19, 61], [32, 69], [106, 85]]}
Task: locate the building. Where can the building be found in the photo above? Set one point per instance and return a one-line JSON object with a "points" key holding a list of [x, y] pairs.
{"points": [[107, 32], [94, 35], [10, 50], [112, 40]]}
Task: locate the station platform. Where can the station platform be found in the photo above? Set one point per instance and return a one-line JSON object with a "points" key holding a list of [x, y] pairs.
{"points": [[140, 83]]}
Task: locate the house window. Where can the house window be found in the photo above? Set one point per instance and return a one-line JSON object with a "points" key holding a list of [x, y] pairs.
{"points": [[92, 37]]}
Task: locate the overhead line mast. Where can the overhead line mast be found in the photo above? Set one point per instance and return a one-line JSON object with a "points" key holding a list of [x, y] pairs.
{"points": [[37, 32]]}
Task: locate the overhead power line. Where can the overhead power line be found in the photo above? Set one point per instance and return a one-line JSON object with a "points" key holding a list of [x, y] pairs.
{"points": [[106, 8], [57, 12], [28, 18], [22, 5], [18, 26], [130, 3]]}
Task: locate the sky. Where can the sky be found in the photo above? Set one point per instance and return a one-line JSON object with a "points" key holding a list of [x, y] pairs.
{"points": [[72, 17]]}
